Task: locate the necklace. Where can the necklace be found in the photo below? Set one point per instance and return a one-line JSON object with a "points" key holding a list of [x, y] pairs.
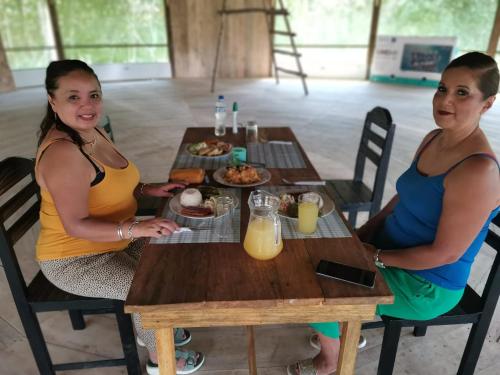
{"points": [[91, 143]]}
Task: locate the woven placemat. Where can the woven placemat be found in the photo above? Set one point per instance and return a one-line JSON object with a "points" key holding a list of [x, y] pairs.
{"points": [[276, 155], [203, 230], [329, 226], [185, 160]]}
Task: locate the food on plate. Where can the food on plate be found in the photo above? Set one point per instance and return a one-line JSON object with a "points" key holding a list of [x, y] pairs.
{"points": [[242, 175], [210, 147], [189, 175], [191, 198], [289, 205], [196, 211], [198, 202]]}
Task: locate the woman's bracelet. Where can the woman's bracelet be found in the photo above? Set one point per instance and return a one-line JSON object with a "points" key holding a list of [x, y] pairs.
{"points": [[129, 231], [141, 189], [119, 230]]}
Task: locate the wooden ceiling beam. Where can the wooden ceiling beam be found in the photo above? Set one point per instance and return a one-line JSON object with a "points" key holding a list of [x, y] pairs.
{"points": [[495, 34], [6, 78], [55, 29]]}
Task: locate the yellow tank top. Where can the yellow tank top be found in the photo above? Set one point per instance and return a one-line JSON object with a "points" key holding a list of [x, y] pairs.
{"points": [[112, 199]]}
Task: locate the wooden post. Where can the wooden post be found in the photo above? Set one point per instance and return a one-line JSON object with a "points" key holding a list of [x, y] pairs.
{"points": [[165, 349], [252, 363], [170, 39], [6, 78], [55, 29], [495, 34], [373, 35]]}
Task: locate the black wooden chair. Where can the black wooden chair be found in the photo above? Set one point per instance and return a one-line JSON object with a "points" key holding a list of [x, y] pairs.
{"points": [[106, 125], [146, 206], [20, 199], [354, 195], [472, 309]]}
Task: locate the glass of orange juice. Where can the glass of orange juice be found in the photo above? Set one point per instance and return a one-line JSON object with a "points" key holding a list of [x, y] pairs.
{"points": [[308, 212]]}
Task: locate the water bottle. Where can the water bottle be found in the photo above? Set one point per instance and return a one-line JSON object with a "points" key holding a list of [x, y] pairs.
{"points": [[220, 117]]}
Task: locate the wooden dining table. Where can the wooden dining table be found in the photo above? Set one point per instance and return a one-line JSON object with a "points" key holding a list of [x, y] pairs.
{"points": [[218, 284]]}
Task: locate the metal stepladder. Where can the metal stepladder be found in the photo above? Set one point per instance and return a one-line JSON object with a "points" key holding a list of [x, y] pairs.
{"points": [[270, 11]]}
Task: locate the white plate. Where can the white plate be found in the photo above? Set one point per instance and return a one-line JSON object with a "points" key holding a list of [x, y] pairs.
{"points": [[208, 157], [327, 209], [175, 205], [264, 174]]}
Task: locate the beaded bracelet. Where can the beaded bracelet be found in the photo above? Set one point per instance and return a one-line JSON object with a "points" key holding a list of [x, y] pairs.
{"points": [[129, 231], [119, 230]]}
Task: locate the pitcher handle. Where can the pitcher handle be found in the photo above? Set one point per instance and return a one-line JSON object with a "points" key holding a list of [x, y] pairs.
{"points": [[277, 230]]}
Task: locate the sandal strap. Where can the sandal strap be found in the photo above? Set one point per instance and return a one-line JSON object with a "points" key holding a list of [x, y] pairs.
{"points": [[306, 367], [190, 357]]}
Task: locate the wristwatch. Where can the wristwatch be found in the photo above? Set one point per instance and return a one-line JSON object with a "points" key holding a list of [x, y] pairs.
{"points": [[377, 260]]}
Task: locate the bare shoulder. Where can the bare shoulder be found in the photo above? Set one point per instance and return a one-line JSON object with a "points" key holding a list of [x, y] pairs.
{"points": [[478, 175], [426, 139], [62, 159]]}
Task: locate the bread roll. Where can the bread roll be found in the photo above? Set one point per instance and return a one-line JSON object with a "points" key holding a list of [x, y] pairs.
{"points": [[189, 175]]}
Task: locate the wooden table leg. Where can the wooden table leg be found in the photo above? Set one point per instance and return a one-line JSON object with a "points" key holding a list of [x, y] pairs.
{"points": [[348, 347], [252, 363], [165, 350]]}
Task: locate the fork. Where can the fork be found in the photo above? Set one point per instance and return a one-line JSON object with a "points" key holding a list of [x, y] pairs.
{"points": [[288, 182]]}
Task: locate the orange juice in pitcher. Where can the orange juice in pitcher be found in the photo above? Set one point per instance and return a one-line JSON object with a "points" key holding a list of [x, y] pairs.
{"points": [[263, 238]]}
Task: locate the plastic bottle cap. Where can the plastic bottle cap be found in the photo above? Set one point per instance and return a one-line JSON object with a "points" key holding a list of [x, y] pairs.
{"points": [[221, 97], [235, 107]]}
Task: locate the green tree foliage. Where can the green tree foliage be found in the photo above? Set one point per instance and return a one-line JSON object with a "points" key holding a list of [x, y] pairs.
{"points": [[470, 21], [23, 23]]}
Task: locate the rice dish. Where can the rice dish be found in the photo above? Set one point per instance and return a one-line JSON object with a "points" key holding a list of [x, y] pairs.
{"points": [[191, 198]]}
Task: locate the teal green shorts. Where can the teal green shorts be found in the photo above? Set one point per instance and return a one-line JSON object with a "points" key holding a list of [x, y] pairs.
{"points": [[414, 298]]}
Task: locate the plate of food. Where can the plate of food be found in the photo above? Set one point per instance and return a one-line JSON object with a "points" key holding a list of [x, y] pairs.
{"points": [[197, 203], [242, 176], [289, 206], [210, 148]]}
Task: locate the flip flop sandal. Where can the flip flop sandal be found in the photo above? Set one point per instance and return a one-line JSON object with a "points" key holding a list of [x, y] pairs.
{"points": [[315, 343], [303, 367], [192, 362], [181, 337]]}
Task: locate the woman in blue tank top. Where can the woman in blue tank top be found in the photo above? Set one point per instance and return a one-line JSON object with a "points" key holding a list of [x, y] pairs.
{"points": [[426, 238]]}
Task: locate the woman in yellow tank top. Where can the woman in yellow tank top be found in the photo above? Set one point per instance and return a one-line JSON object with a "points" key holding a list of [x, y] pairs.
{"points": [[89, 192]]}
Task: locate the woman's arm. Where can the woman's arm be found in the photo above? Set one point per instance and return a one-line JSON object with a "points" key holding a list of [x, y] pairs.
{"points": [[156, 189], [68, 183], [471, 193]]}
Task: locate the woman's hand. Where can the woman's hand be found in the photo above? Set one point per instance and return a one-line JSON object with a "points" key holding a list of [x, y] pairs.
{"points": [[161, 190], [156, 227]]}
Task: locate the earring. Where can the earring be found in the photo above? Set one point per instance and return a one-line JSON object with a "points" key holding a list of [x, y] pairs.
{"points": [[55, 116]]}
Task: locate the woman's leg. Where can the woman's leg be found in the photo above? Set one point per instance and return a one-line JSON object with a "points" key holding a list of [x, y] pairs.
{"points": [[107, 275], [326, 361]]}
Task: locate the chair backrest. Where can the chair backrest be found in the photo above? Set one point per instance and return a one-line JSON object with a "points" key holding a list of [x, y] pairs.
{"points": [[381, 151], [20, 199], [106, 125], [491, 291]]}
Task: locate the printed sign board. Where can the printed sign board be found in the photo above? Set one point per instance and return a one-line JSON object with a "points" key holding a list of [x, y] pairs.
{"points": [[412, 60]]}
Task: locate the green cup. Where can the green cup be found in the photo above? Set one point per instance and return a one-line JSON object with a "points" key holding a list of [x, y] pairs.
{"points": [[239, 155]]}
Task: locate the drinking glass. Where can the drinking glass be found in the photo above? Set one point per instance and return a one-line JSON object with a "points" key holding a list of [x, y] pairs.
{"points": [[224, 207], [252, 132], [308, 212]]}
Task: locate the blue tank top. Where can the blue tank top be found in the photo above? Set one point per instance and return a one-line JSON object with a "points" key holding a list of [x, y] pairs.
{"points": [[415, 219]]}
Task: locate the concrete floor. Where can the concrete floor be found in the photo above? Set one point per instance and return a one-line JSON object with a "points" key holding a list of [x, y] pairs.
{"points": [[149, 118]]}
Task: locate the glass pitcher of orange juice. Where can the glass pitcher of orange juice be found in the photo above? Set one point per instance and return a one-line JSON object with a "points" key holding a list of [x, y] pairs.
{"points": [[263, 239]]}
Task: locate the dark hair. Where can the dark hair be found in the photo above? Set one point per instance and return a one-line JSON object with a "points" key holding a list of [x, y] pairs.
{"points": [[488, 78], [55, 71]]}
